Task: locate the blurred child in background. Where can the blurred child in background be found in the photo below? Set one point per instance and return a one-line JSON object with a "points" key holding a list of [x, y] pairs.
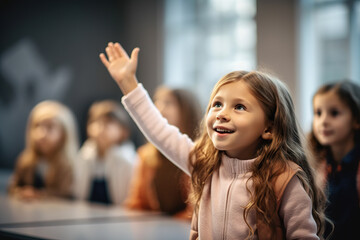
{"points": [[335, 143], [158, 184], [44, 168], [105, 163]]}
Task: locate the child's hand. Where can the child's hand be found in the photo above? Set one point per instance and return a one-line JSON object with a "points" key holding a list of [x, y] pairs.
{"points": [[27, 194], [121, 68]]}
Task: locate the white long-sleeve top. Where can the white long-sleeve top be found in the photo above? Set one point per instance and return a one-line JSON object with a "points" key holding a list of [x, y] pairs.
{"points": [[225, 195], [116, 167]]}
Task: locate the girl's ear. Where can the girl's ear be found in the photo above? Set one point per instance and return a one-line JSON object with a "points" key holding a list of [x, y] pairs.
{"points": [[267, 134]]}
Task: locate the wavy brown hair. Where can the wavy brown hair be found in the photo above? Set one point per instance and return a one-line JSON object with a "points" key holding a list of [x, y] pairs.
{"points": [[272, 155]]}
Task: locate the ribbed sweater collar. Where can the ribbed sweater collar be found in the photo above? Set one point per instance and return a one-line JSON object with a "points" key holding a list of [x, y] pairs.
{"points": [[237, 166]]}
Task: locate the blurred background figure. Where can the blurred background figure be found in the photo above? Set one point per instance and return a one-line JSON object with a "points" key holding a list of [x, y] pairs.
{"points": [[335, 143], [105, 163], [44, 168], [157, 183]]}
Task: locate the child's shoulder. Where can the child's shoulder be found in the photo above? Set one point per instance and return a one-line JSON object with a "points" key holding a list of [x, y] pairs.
{"points": [[88, 150], [282, 180]]}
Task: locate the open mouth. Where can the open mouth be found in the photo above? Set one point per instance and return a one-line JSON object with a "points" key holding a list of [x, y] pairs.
{"points": [[223, 130]]}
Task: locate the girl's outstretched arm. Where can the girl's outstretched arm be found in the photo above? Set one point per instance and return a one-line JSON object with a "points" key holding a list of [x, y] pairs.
{"points": [[168, 139], [121, 68]]}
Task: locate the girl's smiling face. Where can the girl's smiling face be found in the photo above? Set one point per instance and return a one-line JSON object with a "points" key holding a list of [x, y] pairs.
{"points": [[236, 122], [333, 123]]}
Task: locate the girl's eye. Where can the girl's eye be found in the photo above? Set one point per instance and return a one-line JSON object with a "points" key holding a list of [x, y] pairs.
{"points": [[317, 113], [334, 112], [217, 104], [240, 107]]}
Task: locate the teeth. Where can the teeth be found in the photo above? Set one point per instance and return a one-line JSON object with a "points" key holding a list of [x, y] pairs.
{"points": [[223, 130]]}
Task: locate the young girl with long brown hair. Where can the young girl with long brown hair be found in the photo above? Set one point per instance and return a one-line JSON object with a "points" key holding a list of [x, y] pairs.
{"points": [[249, 172], [44, 168], [335, 143]]}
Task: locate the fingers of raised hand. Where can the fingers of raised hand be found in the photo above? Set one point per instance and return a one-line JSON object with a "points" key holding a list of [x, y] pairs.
{"points": [[120, 50], [111, 52], [114, 52], [134, 55], [104, 60]]}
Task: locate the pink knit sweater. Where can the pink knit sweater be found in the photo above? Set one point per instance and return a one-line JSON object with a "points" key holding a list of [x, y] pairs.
{"points": [[225, 195]]}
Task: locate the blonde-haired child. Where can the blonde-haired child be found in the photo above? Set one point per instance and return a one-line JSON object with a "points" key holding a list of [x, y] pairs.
{"points": [[104, 168], [335, 143], [45, 166], [250, 175]]}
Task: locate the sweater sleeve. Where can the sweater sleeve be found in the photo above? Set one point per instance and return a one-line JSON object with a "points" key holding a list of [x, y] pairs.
{"points": [[165, 137], [296, 212]]}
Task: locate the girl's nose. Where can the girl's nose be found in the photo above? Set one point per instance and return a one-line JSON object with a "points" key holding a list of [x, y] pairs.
{"points": [[222, 116], [40, 133], [324, 119]]}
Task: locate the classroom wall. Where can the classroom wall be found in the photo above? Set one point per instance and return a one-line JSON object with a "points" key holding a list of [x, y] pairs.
{"points": [[277, 41], [49, 50]]}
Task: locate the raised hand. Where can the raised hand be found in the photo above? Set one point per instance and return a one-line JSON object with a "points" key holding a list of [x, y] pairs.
{"points": [[121, 68]]}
